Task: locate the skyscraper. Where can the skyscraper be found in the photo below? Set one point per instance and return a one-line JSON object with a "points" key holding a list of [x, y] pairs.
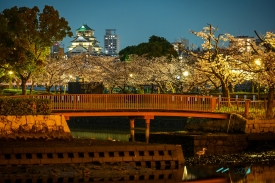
{"points": [[111, 42]]}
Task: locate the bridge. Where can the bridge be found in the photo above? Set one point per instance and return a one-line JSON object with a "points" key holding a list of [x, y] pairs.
{"points": [[147, 106]]}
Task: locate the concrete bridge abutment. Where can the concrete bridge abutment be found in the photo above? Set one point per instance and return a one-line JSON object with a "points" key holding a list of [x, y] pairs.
{"points": [[147, 119]]}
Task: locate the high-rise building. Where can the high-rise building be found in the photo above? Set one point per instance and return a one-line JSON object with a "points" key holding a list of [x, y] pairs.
{"points": [[111, 42], [244, 42], [84, 42], [181, 44]]}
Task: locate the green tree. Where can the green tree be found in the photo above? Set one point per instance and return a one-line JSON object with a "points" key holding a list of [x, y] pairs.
{"points": [[155, 47], [26, 38]]}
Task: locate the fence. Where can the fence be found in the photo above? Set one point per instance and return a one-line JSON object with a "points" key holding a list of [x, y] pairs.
{"points": [[253, 109], [156, 102]]}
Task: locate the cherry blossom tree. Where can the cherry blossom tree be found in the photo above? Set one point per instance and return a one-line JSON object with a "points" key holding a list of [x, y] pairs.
{"points": [[169, 74], [213, 67], [57, 72], [260, 62]]}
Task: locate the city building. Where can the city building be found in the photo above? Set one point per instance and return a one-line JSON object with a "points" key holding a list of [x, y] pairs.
{"points": [[111, 42], [181, 44], [57, 50], [244, 42], [84, 42]]}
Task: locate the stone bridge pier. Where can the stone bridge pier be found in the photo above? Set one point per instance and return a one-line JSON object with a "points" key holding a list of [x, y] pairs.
{"points": [[147, 119]]}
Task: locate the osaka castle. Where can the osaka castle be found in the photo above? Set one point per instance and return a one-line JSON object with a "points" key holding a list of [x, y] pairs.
{"points": [[84, 42]]}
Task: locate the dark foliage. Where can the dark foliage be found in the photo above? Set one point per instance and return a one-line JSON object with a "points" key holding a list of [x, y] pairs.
{"points": [[156, 47], [19, 107]]}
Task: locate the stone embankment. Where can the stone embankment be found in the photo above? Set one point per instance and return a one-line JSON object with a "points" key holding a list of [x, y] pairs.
{"points": [[81, 160], [149, 155], [260, 126], [34, 126], [117, 172], [236, 124]]}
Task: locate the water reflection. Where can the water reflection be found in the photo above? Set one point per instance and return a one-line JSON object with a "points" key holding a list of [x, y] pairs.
{"points": [[152, 176], [106, 135], [241, 173]]}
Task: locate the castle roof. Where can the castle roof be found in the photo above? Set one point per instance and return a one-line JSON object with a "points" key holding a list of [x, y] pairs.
{"points": [[80, 39], [84, 27]]}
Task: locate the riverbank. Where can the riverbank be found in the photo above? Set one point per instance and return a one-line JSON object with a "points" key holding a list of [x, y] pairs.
{"points": [[102, 163], [258, 151]]}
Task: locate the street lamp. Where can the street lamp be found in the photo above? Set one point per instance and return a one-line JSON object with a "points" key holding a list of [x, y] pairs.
{"points": [[258, 62], [185, 73], [10, 79], [183, 79]]}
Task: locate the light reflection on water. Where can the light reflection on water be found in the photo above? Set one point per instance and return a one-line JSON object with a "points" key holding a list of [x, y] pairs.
{"points": [[170, 175], [245, 173], [241, 173], [107, 135]]}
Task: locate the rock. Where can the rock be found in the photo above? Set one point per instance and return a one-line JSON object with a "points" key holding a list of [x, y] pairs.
{"points": [[55, 170]]}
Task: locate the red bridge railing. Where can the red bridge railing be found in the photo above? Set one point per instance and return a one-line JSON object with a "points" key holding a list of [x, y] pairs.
{"points": [[161, 102], [97, 102]]}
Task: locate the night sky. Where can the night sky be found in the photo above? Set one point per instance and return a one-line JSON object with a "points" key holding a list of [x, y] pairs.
{"points": [[137, 20]]}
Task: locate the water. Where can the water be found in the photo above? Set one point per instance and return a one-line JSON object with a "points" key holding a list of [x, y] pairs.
{"points": [[96, 128], [241, 173], [238, 173], [107, 135], [118, 128]]}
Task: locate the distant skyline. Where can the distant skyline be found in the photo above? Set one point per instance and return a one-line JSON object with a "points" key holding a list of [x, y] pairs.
{"points": [[137, 20]]}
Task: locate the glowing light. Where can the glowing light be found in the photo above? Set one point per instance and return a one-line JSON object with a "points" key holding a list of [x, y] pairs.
{"points": [[185, 73], [258, 61]]}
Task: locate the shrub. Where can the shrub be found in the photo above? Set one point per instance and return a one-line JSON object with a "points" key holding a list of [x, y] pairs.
{"points": [[19, 107]]}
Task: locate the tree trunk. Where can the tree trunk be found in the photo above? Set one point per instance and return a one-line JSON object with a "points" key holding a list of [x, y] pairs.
{"points": [[18, 83], [31, 89], [111, 89], [48, 88], [162, 90], [23, 85], [225, 91], [269, 111], [65, 88], [172, 87]]}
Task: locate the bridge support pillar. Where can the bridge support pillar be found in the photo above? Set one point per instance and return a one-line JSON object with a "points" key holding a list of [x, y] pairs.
{"points": [[147, 130], [132, 130], [147, 125]]}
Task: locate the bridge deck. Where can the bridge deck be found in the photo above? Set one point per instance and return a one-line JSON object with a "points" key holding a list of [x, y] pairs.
{"points": [[144, 113], [159, 104]]}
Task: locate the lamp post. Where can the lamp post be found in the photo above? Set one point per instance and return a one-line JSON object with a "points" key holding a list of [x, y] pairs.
{"points": [[258, 62], [131, 82], [10, 79], [178, 77]]}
